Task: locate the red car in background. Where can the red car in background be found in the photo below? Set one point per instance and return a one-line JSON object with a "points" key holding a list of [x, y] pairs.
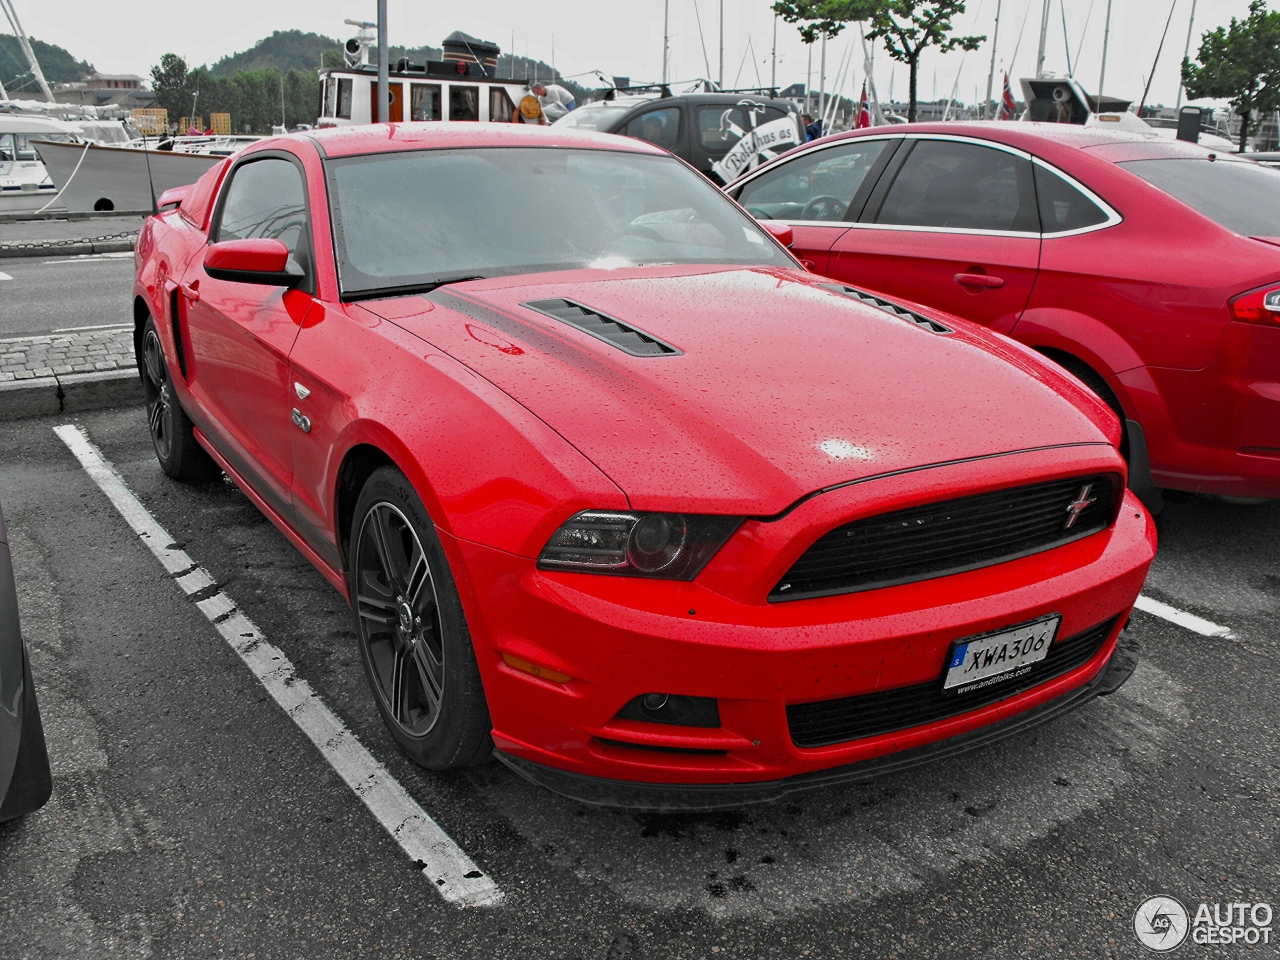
{"points": [[1149, 268], [616, 489]]}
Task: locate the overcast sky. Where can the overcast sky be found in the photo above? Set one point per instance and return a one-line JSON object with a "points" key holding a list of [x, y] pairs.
{"points": [[128, 36]]}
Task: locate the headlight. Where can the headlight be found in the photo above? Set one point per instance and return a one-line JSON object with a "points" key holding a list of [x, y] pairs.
{"points": [[668, 546]]}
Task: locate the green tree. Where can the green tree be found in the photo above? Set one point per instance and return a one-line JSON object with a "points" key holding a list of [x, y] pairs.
{"points": [[174, 86], [1241, 64], [907, 27]]}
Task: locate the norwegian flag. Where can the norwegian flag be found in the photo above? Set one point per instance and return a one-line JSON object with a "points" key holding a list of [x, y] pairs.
{"points": [[1008, 107], [864, 110]]}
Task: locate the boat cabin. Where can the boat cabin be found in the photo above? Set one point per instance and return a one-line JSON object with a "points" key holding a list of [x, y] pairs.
{"points": [[462, 87]]}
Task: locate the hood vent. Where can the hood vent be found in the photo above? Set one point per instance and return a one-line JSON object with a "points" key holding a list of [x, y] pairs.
{"points": [[853, 293], [625, 338]]}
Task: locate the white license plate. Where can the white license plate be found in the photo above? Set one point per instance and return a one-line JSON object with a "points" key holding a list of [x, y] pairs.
{"points": [[980, 662]]}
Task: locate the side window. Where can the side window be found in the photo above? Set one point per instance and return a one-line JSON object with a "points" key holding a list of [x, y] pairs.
{"points": [[464, 103], [265, 199], [720, 127], [815, 186], [425, 104], [660, 127], [1062, 206], [500, 106], [7, 151], [962, 186], [344, 100]]}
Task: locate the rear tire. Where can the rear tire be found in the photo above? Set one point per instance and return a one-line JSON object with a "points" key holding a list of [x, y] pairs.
{"points": [[412, 633], [179, 453]]}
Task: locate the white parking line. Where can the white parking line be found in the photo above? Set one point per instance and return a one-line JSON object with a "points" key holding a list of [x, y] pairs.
{"points": [[1188, 621], [451, 871], [5, 276], [93, 258], [100, 326]]}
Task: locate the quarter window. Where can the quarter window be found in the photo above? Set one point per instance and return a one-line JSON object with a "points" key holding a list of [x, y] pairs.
{"points": [[660, 127], [265, 199], [1062, 206], [962, 186], [816, 186]]}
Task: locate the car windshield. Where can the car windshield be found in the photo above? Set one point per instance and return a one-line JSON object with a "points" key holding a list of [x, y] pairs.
{"points": [[405, 221], [1240, 195], [595, 116]]}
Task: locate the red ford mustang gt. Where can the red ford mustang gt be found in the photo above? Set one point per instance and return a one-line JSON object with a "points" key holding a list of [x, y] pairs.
{"points": [[614, 487], [1149, 268]]}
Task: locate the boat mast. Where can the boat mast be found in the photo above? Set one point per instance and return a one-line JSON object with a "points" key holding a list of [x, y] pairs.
{"points": [[991, 77], [384, 89], [1186, 53], [1106, 38], [666, 38], [11, 15], [822, 79], [1044, 36], [721, 80], [773, 70]]}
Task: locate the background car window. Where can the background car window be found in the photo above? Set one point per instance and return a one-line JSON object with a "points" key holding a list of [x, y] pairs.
{"points": [[1238, 194], [814, 186], [265, 199], [425, 101], [500, 106], [7, 151], [1062, 206], [661, 127], [464, 103], [720, 127], [962, 186]]}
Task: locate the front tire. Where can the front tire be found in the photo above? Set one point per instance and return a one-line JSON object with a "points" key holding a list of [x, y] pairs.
{"points": [[172, 433], [412, 633]]}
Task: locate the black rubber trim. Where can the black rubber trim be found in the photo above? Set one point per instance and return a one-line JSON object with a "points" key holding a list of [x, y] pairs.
{"points": [[32, 782], [668, 797]]}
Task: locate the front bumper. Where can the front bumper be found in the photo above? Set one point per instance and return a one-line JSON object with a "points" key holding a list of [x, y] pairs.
{"points": [[718, 637], [662, 798]]}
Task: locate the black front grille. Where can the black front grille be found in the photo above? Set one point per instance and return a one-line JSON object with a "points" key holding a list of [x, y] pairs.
{"points": [[854, 718], [938, 539]]}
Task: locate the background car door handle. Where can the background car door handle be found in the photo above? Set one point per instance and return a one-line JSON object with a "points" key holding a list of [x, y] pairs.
{"points": [[190, 291], [301, 421], [986, 281]]}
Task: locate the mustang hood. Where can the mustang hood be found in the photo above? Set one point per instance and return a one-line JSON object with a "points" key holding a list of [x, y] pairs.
{"points": [[777, 386]]}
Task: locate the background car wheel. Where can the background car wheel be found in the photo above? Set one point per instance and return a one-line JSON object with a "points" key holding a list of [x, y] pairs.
{"points": [[413, 636], [180, 456]]}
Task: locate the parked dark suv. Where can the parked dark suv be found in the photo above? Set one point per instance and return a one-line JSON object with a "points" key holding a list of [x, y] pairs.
{"points": [[722, 134]]}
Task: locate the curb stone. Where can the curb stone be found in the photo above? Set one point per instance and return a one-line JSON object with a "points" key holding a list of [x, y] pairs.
{"points": [[14, 250], [71, 393]]}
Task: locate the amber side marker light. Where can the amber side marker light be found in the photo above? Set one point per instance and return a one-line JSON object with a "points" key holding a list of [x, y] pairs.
{"points": [[544, 673]]}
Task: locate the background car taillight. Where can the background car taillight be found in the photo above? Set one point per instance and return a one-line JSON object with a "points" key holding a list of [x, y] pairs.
{"points": [[1258, 306], [667, 546]]}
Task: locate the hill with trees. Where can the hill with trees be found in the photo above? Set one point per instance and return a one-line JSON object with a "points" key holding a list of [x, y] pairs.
{"points": [[59, 65]]}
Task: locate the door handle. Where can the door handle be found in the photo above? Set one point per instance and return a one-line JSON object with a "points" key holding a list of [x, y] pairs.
{"points": [[301, 421], [983, 280], [190, 290]]}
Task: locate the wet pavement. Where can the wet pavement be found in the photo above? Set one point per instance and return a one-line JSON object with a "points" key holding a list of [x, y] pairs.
{"points": [[191, 817]]}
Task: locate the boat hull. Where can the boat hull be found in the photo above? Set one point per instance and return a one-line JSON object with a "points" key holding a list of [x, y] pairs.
{"points": [[117, 178]]}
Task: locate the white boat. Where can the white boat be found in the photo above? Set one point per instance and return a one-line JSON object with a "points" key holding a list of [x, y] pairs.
{"points": [[25, 184], [95, 177]]}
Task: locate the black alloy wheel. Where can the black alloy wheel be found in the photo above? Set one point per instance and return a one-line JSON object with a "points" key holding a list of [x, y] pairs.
{"points": [[179, 454], [413, 637]]}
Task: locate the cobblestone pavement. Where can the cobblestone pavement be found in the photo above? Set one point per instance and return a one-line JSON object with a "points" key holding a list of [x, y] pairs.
{"points": [[60, 354]]}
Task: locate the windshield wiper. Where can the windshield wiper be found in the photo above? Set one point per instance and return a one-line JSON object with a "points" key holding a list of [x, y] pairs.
{"points": [[407, 289]]}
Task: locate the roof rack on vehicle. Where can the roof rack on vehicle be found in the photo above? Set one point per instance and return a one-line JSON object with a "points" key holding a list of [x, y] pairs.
{"points": [[662, 88]]}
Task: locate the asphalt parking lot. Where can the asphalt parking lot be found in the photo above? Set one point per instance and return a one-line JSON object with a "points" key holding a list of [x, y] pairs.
{"points": [[192, 817]]}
